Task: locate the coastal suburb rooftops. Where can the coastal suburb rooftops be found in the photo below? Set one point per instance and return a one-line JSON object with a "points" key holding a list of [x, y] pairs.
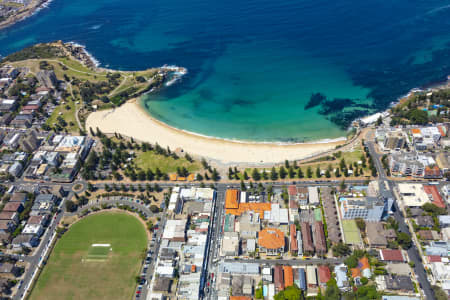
{"points": [[271, 238], [433, 191], [392, 255], [259, 208], [232, 199]]}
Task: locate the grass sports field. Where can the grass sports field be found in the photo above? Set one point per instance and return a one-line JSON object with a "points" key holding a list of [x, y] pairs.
{"points": [[98, 258]]}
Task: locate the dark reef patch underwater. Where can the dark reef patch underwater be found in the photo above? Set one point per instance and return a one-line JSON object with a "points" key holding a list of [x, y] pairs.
{"points": [[253, 65]]}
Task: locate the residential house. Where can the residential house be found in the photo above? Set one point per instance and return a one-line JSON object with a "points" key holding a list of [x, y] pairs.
{"points": [[271, 241], [320, 243], [308, 246], [399, 283], [376, 235], [392, 255], [425, 221]]}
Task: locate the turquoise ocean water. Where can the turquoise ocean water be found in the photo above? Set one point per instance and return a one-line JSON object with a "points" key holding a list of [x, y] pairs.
{"points": [[253, 65]]}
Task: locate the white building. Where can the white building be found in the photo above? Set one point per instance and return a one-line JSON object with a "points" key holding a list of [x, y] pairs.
{"points": [[313, 193], [34, 229], [413, 194], [440, 271]]}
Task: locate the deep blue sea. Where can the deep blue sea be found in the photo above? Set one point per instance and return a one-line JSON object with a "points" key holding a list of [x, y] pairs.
{"points": [[254, 64]]}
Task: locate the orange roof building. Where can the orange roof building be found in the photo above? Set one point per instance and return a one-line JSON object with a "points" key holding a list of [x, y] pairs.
{"points": [[173, 177], [364, 263], [259, 208], [356, 273], [232, 199], [416, 131], [288, 276], [240, 298], [191, 177], [271, 241]]}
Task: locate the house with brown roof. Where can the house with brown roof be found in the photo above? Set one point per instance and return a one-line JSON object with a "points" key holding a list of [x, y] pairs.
{"points": [[308, 247], [7, 226], [278, 278], [13, 206], [10, 216], [428, 235], [319, 239], [19, 197], [271, 241], [375, 235]]}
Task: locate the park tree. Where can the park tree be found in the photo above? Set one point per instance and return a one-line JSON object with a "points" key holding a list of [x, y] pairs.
{"points": [[309, 172], [256, 175], [282, 172], [243, 186], [300, 173], [337, 173], [332, 292], [273, 174], [71, 206], [361, 224], [215, 175], [291, 172]]}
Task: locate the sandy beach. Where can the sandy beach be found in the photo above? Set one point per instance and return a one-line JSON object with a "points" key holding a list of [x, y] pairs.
{"points": [[132, 120]]}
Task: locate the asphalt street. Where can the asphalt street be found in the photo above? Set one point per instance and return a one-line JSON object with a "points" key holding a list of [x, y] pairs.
{"points": [[413, 253]]}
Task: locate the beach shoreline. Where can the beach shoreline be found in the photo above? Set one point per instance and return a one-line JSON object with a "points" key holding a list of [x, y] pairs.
{"points": [[132, 120]]}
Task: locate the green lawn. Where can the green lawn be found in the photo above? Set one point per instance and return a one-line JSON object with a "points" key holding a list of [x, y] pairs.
{"points": [[67, 114], [68, 275], [151, 160], [351, 232]]}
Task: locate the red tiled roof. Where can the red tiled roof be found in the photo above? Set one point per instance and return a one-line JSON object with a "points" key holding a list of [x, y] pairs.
{"points": [[391, 255], [292, 190], [433, 191], [324, 274], [434, 258]]}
